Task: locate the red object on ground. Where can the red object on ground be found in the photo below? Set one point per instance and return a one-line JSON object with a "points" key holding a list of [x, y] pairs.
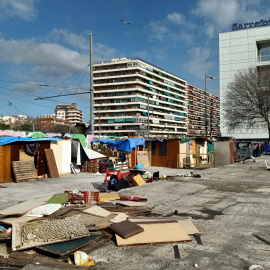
{"points": [[83, 196], [150, 180], [109, 173]]}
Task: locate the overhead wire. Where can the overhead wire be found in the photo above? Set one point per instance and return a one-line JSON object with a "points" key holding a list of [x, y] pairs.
{"points": [[44, 85], [64, 81], [75, 79], [26, 101]]}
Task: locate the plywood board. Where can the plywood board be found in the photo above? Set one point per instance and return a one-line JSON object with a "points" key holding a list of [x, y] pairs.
{"points": [[24, 171], [156, 233], [131, 203], [46, 231], [97, 211], [24, 157], [110, 196], [21, 219], [44, 210], [52, 167], [188, 226], [120, 217], [22, 208], [142, 158], [139, 180]]}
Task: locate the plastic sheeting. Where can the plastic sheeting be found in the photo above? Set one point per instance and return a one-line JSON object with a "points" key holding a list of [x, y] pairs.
{"points": [[8, 140], [124, 145]]}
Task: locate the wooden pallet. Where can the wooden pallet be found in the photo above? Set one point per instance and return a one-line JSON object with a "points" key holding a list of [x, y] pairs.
{"points": [[24, 171]]}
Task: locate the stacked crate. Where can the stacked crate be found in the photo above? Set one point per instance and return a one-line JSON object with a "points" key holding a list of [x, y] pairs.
{"points": [[90, 166]]}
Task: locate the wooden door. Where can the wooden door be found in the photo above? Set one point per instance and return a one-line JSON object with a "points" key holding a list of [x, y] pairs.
{"points": [[42, 169], [5, 163]]}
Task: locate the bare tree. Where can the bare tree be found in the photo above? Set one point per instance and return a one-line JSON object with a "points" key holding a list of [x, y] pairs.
{"points": [[247, 101]]}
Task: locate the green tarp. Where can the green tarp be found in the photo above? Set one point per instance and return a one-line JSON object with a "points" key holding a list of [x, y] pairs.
{"points": [[183, 140]]}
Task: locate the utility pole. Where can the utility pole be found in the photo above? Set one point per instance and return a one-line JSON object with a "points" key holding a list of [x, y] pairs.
{"points": [[91, 122], [148, 126], [205, 116]]}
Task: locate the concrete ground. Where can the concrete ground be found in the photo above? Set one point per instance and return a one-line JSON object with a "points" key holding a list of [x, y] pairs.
{"points": [[228, 204]]}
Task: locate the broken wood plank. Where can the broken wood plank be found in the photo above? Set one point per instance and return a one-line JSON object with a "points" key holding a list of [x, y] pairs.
{"points": [[52, 167]]}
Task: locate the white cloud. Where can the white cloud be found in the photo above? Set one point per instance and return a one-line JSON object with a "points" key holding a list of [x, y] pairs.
{"points": [[175, 17], [170, 28], [25, 9], [80, 42], [41, 61], [220, 15], [47, 58], [76, 41], [199, 63], [158, 30]]}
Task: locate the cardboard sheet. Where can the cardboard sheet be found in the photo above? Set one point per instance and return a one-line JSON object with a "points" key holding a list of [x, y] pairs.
{"points": [[110, 196], [91, 220], [97, 211], [120, 217], [44, 210], [156, 233], [142, 158], [188, 226], [131, 203], [12, 219], [139, 180], [22, 208]]}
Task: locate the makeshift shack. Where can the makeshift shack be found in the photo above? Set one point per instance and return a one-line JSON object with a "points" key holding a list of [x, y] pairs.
{"points": [[121, 152], [12, 149], [224, 152], [195, 152]]}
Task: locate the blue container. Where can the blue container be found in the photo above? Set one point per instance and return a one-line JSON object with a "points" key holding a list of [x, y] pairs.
{"points": [[139, 166]]}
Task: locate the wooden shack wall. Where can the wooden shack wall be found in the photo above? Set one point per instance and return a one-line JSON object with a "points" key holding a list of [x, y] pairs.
{"points": [[11, 152], [5, 165], [170, 159]]}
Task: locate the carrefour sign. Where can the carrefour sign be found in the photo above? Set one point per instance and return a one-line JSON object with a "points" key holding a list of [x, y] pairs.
{"points": [[239, 26]]}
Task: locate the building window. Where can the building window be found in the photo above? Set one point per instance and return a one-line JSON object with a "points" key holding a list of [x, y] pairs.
{"points": [[263, 51]]}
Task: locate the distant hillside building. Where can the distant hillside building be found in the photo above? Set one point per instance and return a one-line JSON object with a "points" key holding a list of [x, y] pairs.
{"points": [[13, 119], [69, 112], [48, 121]]}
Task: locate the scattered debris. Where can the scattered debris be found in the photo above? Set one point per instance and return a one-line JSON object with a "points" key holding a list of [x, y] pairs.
{"points": [[176, 252], [254, 267], [262, 239]]}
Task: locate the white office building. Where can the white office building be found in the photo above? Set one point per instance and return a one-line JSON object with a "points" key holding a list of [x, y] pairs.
{"points": [[247, 45]]}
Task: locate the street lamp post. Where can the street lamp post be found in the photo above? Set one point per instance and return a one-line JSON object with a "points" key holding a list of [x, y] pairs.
{"points": [[205, 113]]}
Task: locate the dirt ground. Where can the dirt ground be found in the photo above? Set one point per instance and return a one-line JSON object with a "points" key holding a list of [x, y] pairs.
{"points": [[227, 204]]}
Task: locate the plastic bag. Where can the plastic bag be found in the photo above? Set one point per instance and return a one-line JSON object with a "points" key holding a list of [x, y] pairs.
{"points": [[82, 259]]}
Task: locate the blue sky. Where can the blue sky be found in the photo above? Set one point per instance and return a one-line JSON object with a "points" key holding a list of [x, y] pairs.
{"points": [[44, 44]]}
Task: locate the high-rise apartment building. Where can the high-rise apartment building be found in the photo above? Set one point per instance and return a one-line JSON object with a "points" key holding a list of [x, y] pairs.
{"points": [[69, 112], [133, 97], [247, 45], [199, 105]]}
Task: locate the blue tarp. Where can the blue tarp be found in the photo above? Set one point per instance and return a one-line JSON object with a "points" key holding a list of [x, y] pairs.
{"points": [[8, 140], [124, 145]]}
